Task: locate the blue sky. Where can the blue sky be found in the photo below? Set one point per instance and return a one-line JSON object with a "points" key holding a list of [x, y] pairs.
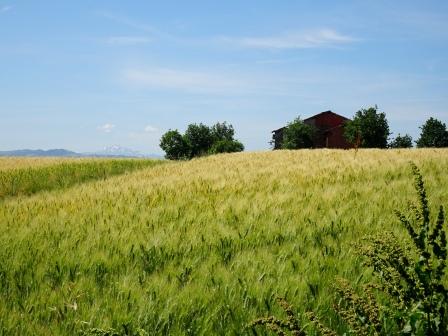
{"points": [[83, 75]]}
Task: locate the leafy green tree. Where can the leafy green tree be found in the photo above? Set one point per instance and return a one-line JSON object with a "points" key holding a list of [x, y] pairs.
{"points": [[401, 141], [369, 129], [174, 145], [297, 135], [199, 139], [434, 134], [226, 146], [222, 131]]}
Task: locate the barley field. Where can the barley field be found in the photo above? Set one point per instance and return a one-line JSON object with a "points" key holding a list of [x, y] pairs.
{"points": [[200, 247], [26, 176]]}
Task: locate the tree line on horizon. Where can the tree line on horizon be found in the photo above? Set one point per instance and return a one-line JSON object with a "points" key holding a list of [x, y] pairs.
{"points": [[369, 128]]}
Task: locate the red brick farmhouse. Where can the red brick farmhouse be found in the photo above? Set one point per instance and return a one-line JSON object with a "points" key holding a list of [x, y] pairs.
{"points": [[330, 131]]}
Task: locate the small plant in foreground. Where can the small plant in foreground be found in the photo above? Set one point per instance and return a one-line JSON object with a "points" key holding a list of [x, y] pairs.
{"points": [[410, 278]]}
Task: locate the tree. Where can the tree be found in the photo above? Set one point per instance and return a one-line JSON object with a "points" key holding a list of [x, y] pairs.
{"points": [[297, 135], [434, 134], [368, 127], [222, 131], [404, 141], [174, 145], [226, 146], [199, 139]]}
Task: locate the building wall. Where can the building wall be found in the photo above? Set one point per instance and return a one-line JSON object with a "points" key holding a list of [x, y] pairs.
{"points": [[330, 131], [334, 137]]}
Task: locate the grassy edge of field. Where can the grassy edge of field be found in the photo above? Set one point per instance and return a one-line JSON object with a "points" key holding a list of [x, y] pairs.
{"points": [[60, 175]]}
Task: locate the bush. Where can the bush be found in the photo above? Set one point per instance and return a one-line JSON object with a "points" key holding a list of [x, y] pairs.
{"points": [[434, 134], [226, 146], [297, 135], [404, 141], [174, 145], [200, 140], [368, 128]]}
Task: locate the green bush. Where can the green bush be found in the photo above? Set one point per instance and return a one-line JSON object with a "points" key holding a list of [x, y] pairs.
{"points": [[226, 146]]}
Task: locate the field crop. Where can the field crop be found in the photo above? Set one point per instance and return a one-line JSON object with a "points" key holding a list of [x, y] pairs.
{"points": [[32, 176], [201, 247]]}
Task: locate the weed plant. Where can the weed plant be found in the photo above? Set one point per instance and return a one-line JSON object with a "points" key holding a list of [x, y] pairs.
{"points": [[410, 277]]}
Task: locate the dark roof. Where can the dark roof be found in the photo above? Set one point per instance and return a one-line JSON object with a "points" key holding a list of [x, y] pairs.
{"points": [[313, 117], [326, 112]]}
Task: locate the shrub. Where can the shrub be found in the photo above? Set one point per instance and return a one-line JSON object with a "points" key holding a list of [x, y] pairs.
{"points": [[297, 135], [368, 127], [226, 146], [174, 145], [434, 134], [200, 140], [400, 141]]}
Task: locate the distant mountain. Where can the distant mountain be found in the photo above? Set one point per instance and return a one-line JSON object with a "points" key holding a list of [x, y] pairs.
{"points": [[116, 150], [39, 152], [111, 151]]}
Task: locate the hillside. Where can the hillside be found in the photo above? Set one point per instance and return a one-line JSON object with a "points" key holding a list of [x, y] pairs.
{"points": [[200, 247]]}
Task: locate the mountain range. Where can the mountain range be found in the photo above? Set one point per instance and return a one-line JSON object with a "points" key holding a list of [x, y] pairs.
{"points": [[111, 151]]}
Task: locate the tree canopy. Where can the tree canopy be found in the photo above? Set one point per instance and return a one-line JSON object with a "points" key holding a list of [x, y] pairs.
{"points": [[369, 129], [297, 135], [199, 140], [434, 134], [401, 141]]}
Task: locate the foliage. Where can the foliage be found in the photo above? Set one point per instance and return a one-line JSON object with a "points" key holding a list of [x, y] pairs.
{"points": [[411, 277], [200, 140], [280, 326], [226, 146], [401, 141], [222, 132], [434, 134], [175, 145], [297, 135], [368, 126], [200, 248], [30, 180]]}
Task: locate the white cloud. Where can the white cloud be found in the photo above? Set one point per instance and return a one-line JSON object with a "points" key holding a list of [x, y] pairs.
{"points": [[106, 128], [150, 129], [294, 40], [4, 9], [127, 40], [191, 81]]}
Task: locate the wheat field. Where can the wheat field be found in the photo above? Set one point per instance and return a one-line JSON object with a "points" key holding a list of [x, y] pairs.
{"points": [[200, 247]]}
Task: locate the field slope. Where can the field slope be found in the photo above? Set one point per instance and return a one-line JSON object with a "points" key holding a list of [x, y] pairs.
{"points": [[200, 247]]}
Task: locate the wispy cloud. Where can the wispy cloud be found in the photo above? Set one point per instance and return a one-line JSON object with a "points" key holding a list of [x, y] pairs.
{"points": [[127, 40], [134, 24], [5, 8], [293, 40], [190, 81], [150, 129], [106, 128]]}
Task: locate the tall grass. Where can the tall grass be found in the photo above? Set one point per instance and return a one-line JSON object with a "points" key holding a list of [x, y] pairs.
{"points": [[29, 180], [200, 247]]}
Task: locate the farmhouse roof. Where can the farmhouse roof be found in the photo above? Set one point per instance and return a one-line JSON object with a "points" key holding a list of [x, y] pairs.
{"points": [[316, 116]]}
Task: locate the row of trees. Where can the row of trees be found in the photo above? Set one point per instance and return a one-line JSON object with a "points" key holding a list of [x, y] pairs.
{"points": [[368, 129], [199, 140]]}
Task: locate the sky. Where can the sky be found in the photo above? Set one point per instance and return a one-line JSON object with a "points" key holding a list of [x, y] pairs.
{"points": [[83, 75]]}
